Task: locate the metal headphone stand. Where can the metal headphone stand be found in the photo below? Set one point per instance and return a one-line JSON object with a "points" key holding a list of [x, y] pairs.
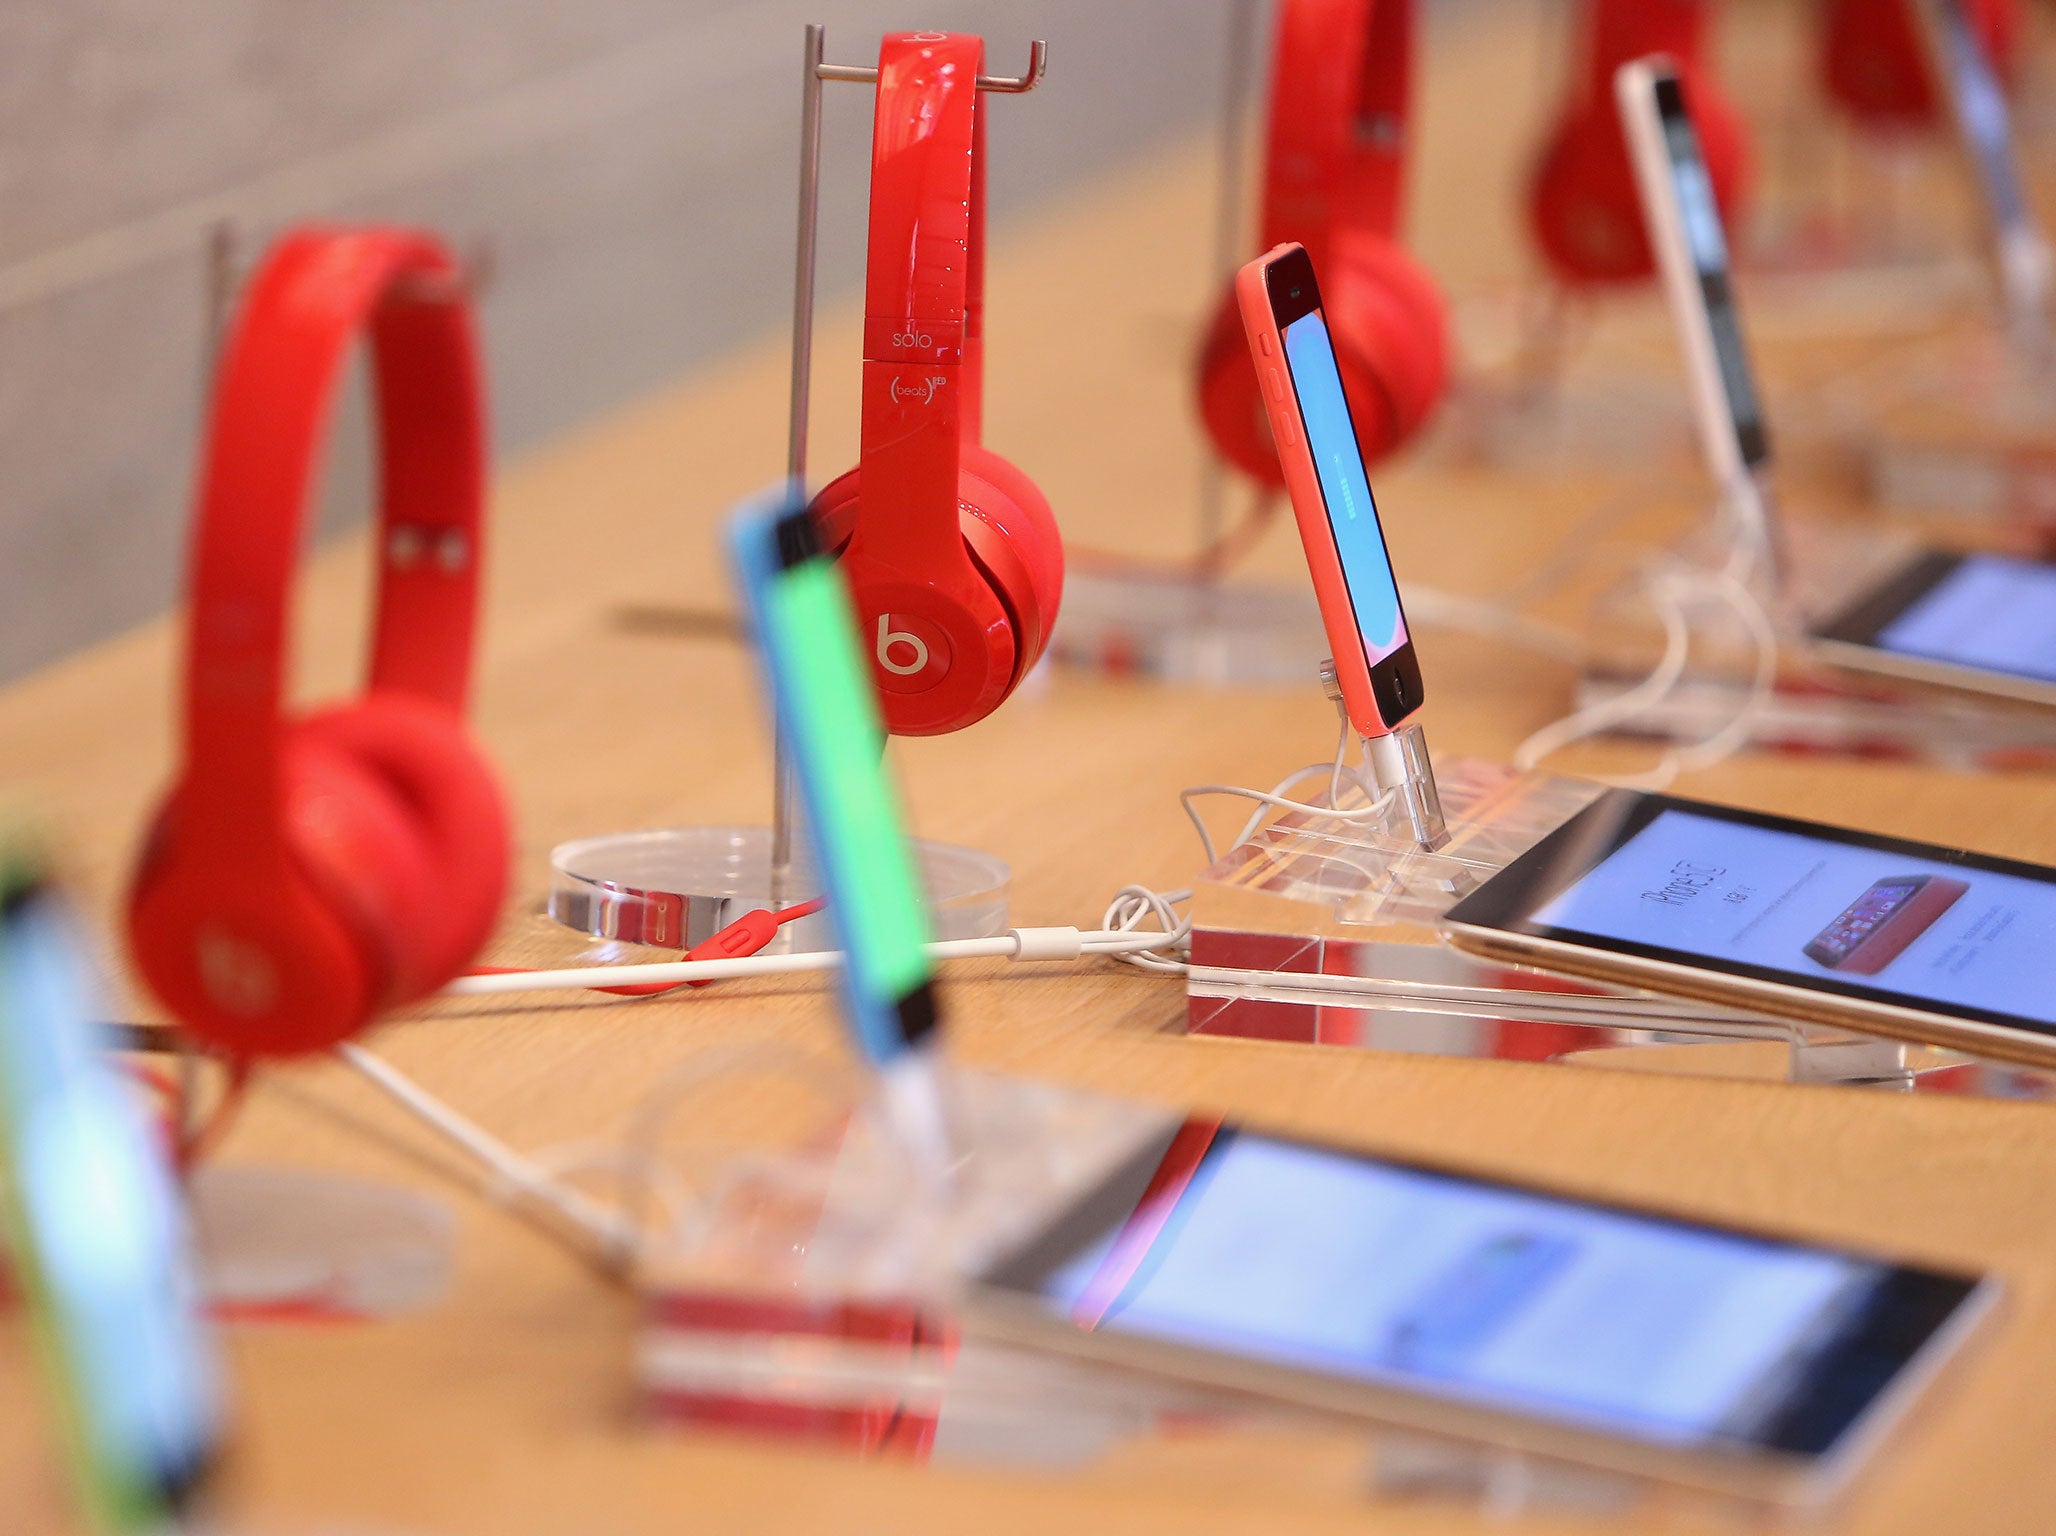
{"points": [[814, 71], [671, 888]]}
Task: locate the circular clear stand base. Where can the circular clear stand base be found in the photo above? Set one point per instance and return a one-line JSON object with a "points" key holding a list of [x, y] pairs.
{"points": [[673, 887], [1189, 630], [292, 1242]]}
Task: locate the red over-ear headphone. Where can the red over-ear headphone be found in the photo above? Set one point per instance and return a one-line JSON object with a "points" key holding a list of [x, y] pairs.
{"points": [[1875, 68], [306, 872], [1334, 165], [953, 555], [1583, 206]]}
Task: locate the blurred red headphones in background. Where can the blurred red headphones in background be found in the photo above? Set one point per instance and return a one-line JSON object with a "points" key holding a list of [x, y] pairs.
{"points": [[1583, 206], [305, 873], [952, 553], [1875, 68], [1334, 163]]}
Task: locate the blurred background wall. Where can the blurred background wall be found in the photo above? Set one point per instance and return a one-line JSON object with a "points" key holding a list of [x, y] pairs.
{"points": [[630, 164]]}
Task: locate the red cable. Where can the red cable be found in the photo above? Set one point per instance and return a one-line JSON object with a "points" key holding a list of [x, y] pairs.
{"points": [[739, 940]]}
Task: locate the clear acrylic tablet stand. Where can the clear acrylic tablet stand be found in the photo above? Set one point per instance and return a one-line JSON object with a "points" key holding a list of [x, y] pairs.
{"points": [[1323, 931], [1812, 707], [1967, 432], [292, 1244], [815, 1297]]}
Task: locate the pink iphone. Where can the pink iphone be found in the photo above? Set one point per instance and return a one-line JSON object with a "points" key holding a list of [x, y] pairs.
{"points": [[1331, 492]]}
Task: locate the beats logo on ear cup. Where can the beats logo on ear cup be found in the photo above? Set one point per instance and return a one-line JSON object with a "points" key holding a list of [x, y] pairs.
{"points": [[1583, 206], [309, 871], [952, 553], [1334, 163]]}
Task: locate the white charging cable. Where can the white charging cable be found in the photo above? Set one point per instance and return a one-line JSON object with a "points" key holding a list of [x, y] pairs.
{"points": [[1058, 943], [1672, 591]]}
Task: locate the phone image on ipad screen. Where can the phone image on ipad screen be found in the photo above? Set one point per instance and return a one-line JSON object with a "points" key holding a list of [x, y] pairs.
{"points": [[1982, 623]]}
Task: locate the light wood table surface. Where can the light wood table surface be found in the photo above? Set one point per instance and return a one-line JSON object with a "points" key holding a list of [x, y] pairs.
{"points": [[508, 1409]]}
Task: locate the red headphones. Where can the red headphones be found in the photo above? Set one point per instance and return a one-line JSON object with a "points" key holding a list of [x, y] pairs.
{"points": [[1334, 164], [1875, 68], [1583, 206], [952, 553], [305, 873]]}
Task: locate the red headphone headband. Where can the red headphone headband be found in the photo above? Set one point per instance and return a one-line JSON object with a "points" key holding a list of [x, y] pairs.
{"points": [[1336, 153], [273, 398], [924, 301], [1618, 32]]}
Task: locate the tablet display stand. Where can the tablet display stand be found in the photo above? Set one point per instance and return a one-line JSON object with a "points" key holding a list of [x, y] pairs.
{"points": [[1323, 932], [1840, 199], [1190, 624], [294, 1244], [1971, 433], [1813, 707], [670, 888], [816, 1296]]}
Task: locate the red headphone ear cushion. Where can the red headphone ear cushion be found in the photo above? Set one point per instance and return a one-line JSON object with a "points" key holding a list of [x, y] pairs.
{"points": [[1007, 525], [439, 900], [1583, 205], [309, 962], [1013, 534], [834, 511], [1389, 325], [1230, 406]]}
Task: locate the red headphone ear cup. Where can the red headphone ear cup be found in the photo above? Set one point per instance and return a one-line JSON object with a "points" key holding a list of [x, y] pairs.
{"points": [[1013, 534], [1874, 63], [455, 819], [1583, 205], [1389, 325], [1230, 406], [301, 964], [834, 511], [1388, 322]]}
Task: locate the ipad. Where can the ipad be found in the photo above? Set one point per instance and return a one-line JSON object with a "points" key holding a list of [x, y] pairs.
{"points": [[1984, 622], [1876, 934], [1364, 1285]]}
